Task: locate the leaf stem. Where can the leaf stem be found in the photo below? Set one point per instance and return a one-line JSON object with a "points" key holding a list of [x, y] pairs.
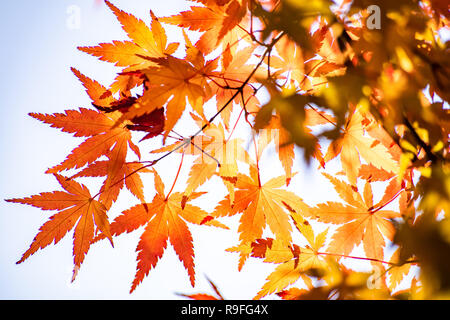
{"points": [[235, 124], [176, 177], [385, 204]]}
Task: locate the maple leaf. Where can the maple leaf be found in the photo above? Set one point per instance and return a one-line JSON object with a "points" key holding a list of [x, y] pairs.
{"points": [[377, 132], [94, 125], [174, 81], [152, 123], [273, 251], [76, 208], [294, 294], [398, 271], [275, 131], [133, 55], [145, 42], [199, 296], [126, 81], [164, 221], [361, 220], [307, 262], [127, 175], [260, 205], [290, 60], [103, 138], [215, 20], [295, 262], [353, 143], [340, 283], [219, 155], [290, 271], [371, 173], [325, 45], [100, 96], [290, 125]]}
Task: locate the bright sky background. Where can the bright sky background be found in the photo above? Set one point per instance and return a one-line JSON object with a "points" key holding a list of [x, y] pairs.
{"points": [[38, 50]]}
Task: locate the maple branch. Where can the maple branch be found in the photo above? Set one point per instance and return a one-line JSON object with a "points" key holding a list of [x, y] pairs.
{"points": [[367, 259], [241, 88], [225, 87], [252, 36], [152, 163], [268, 64]]}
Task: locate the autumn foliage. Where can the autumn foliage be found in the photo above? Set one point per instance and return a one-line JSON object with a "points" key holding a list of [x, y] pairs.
{"points": [[307, 77]]}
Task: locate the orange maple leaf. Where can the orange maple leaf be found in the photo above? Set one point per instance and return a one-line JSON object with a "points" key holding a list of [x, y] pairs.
{"points": [[174, 81], [217, 155], [76, 207], [88, 123], [353, 143], [164, 220], [294, 261], [103, 138], [260, 205], [215, 20], [133, 55], [397, 271], [290, 271], [371, 173], [289, 61], [145, 42], [274, 131], [127, 175], [361, 220]]}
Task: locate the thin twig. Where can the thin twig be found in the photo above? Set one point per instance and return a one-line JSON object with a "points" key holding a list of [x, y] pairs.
{"points": [[176, 177], [321, 115]]}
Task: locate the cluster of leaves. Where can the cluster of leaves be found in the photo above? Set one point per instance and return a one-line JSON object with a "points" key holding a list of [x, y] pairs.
{"points": [[377, 98]]}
